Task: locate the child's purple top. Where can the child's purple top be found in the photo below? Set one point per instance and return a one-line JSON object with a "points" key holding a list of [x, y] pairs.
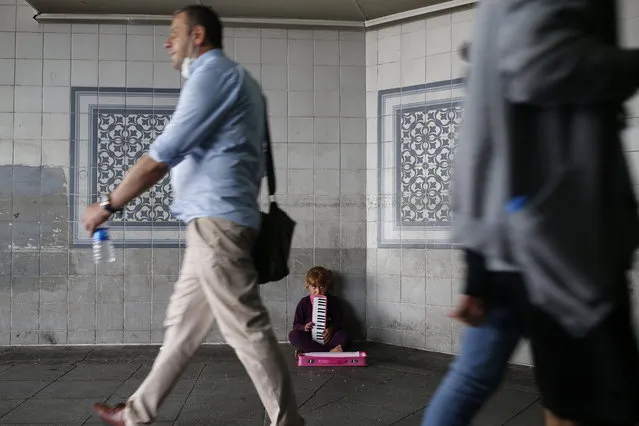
{"points": [[304, 313]]}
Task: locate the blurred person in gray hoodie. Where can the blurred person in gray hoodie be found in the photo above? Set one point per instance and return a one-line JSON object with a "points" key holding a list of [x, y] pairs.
{"points": [[494, 329], [544, 208]]}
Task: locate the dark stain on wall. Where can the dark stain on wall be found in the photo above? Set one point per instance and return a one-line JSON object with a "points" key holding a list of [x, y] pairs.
{"points": [[46, 337], [35, 201]]}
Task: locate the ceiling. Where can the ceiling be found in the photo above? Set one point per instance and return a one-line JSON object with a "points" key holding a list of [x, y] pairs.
{"points": [[339, 10]]}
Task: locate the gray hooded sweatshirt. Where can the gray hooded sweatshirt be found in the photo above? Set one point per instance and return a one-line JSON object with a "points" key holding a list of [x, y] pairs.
{"points": [[542, 121]]}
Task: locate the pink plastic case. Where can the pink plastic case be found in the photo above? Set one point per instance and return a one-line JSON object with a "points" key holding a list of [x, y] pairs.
{"points": [[332, 359]]}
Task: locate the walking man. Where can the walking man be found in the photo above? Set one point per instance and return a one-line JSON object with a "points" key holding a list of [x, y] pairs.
{"points": [[213, 148], [545, 210]]}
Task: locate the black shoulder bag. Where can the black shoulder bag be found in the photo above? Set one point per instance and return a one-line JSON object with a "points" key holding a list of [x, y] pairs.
{"points": [[273, 245]]}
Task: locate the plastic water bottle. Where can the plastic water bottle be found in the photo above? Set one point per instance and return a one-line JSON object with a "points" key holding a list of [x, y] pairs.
{"points": [[103, 251]]}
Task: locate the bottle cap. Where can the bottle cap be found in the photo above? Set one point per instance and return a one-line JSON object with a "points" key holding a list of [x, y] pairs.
{"points": [[101, 234], [516, 204]]}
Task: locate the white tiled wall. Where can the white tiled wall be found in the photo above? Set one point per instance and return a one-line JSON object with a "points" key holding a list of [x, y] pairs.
{"points": [[39, 63], [411, 291], [315, 85], [629, 17]]}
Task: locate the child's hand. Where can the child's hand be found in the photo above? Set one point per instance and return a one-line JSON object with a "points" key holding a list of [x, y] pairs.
{"points": [[308, 326]]}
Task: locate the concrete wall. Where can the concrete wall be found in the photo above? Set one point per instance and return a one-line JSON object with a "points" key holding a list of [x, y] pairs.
{"points": [[69, 96]]}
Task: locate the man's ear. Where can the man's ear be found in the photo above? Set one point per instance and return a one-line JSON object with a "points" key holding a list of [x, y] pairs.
{"points": [[199, 35]]}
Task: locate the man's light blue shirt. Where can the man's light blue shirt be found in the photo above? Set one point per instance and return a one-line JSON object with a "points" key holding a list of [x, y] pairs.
{"points": [[213, 143]]}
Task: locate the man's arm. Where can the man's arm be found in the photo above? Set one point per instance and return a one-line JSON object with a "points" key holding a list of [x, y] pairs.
{"points": [[142, 176], [200, 110], [548, 56]]}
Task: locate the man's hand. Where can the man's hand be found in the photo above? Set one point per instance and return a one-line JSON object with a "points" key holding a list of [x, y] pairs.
{"points": [[470, 311], [94, 216], [328, 334], [308, 326]]}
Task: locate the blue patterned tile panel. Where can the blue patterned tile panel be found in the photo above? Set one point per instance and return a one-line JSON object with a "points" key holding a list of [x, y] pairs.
{"points": [[110, 130], [418, 130], [121, 137], [427, 137]]}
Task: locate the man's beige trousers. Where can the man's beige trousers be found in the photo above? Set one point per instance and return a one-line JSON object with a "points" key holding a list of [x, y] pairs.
{"points": [[218, 282]]}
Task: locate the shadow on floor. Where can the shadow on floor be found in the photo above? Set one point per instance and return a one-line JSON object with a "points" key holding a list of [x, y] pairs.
{"points": [[56, 386]]}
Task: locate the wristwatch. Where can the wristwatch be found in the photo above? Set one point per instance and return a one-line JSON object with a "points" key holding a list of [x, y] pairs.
{"points": [[105, 203]]}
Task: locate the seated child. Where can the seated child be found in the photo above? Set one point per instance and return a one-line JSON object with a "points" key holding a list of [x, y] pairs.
{"points": [[318, 282]]}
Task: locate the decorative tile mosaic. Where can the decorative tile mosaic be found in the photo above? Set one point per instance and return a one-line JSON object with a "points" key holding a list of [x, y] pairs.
{"points": [[418, 131], [110, 130]]}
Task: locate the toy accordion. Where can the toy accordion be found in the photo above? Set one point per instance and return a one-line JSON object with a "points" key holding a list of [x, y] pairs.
{"points": [[319, 318]]}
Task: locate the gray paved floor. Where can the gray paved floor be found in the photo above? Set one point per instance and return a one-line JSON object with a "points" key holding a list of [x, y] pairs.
{"points": [[56, 386]]}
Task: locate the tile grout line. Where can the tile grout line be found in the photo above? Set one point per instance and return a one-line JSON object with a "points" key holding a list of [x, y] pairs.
{"points": [[522, 410], [329, 403], [315, 392], [190, 392], [13, 167], [39, 241], [113, 393], [405, 370], [75, 365], [409, 415]]}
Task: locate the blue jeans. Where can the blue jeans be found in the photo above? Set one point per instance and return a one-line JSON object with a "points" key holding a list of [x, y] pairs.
{"points": [[477, 371]]}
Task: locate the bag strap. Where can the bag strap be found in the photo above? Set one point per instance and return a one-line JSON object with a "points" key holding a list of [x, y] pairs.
{"points": [[268, 151]]}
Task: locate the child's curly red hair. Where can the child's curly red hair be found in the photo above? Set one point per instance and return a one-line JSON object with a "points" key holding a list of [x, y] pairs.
{"points": [[319, 277]]}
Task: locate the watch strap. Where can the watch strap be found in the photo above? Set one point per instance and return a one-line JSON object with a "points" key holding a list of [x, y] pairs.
{"points": [[105, 203]]}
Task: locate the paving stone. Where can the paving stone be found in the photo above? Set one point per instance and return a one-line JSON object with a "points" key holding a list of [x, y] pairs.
{"points": [[8, 405], [533, 415], [222, 408], [504, 406], [413, 420], [37, 372], [57, 386], [98, 389], [106, 371], [50, 411], [349, 412], [12, 389]]}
